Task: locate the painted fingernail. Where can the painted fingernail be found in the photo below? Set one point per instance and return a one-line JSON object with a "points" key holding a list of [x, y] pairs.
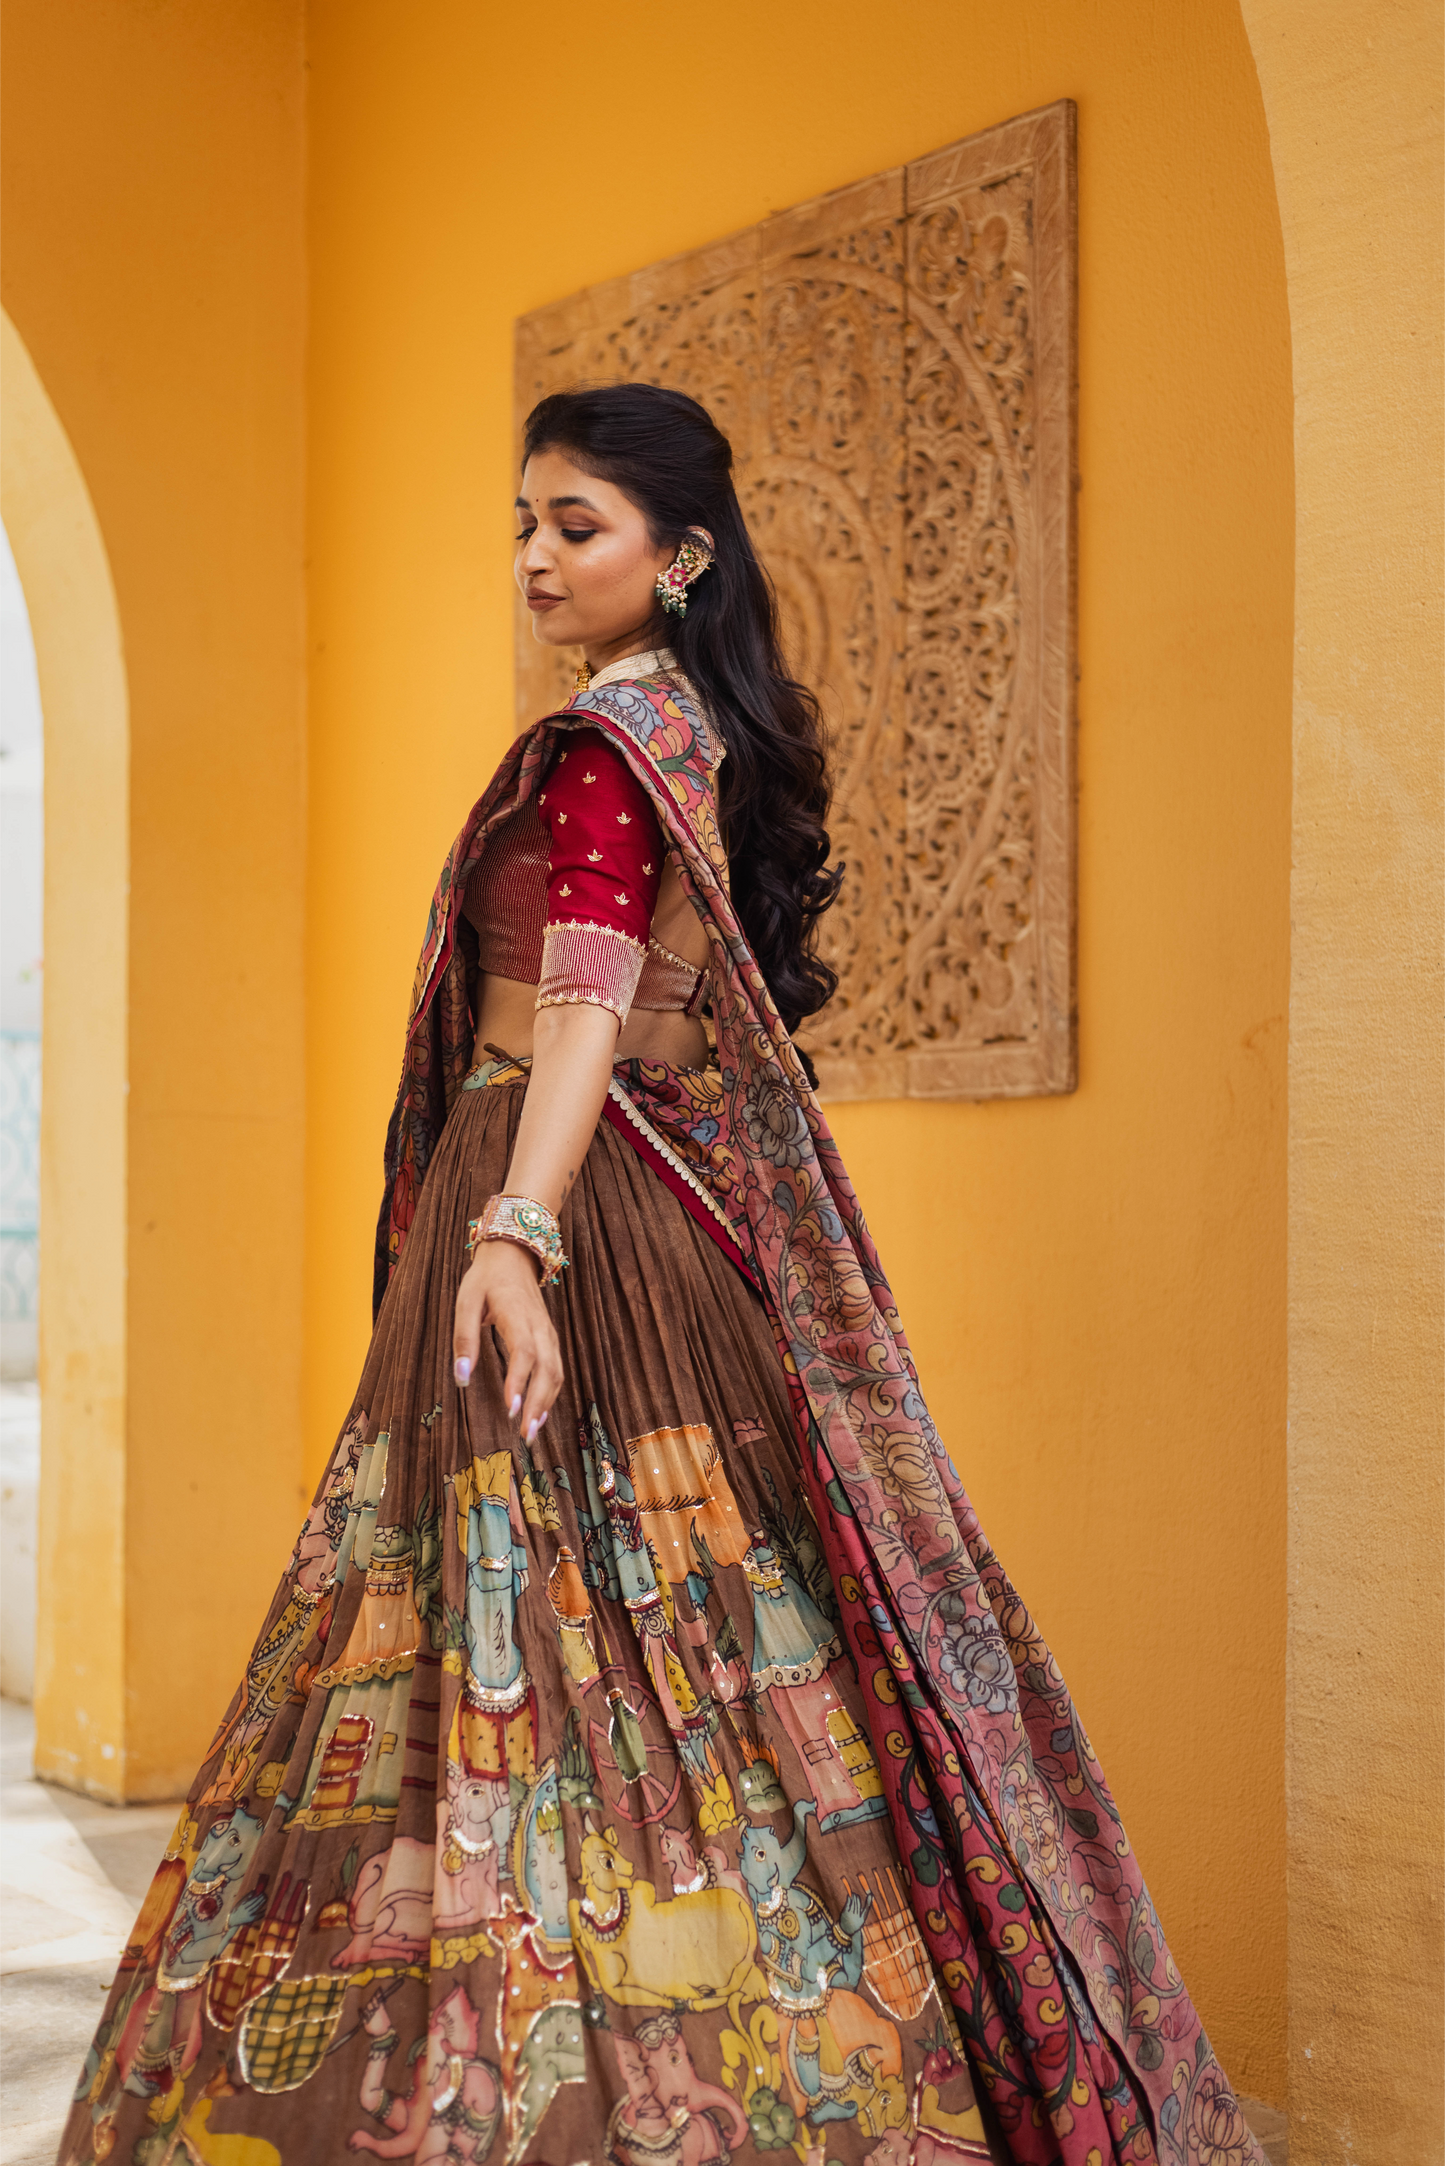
{"points": [[543, 1422], [463, 1370], [532, 1428], [516, 1406]]}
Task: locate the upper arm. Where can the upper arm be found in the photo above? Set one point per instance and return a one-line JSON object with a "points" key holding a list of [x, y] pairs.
{"points": [[604, 866]]}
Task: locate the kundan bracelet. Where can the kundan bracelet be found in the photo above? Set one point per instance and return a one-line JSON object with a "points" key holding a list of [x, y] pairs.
{"points": [[531, 1225]]}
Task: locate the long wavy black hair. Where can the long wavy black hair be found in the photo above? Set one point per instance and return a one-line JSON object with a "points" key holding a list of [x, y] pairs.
{"points": [[667, 455]]}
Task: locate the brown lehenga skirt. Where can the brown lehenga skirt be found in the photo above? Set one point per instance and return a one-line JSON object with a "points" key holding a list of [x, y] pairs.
{"points": [[544, 1825]]}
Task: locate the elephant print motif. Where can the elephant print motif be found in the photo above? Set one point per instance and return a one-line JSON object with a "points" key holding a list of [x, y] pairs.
{"points": [[454, 2105], [212, 1909], [669, 2112]]}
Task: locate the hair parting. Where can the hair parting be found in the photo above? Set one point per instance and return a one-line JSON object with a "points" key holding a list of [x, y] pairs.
{"points": [[664, 451]]}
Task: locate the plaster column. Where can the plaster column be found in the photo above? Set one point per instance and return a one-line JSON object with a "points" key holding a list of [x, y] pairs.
{"points": [[1351, 91]]}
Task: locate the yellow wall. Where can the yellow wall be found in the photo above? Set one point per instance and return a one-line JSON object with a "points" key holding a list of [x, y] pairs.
{"points": [[1095, 1286], [1351, 88], [153, 265]]}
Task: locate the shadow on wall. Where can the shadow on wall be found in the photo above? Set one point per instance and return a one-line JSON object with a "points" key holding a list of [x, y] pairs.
{"points": [[21, 906]]}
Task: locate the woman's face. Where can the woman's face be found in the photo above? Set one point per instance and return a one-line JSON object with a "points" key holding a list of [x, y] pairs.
{"points": [[585, 562]]}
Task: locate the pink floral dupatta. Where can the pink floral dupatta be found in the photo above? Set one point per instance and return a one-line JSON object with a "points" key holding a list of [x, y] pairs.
{"points": [[1021, 1876]]}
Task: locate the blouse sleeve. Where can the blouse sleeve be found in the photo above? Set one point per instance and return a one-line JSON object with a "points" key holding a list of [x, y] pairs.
{"points": [[604, 866]]}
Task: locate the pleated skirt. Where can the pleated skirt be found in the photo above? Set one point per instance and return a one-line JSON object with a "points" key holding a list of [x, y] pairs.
{"points": [[544, 1824]]}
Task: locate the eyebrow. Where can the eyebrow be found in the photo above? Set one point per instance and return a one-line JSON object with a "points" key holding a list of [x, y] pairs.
{"points": [[560, 503]]}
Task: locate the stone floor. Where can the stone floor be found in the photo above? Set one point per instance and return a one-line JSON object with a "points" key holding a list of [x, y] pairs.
{"points": [[72, 1876], [1272, 2129]]}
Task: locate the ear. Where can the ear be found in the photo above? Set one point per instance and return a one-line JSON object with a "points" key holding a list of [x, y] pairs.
{"points": [[589, 1823], [610, 1835]]}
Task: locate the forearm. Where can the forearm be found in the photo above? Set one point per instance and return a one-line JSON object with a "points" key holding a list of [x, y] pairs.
{"points": [[573, 1048]]}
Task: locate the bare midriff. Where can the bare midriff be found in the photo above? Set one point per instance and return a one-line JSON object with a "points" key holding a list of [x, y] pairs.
{"points": [[507, 1010]]}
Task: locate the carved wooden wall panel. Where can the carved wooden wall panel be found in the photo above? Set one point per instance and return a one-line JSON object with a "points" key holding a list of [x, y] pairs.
{"points": [[894, 365]]}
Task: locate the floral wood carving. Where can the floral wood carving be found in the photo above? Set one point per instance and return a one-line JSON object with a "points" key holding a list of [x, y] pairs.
{"points": [[894, 365]]}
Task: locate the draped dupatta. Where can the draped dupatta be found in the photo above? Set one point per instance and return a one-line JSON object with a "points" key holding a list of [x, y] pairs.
{"points": [[1020, 1873]]}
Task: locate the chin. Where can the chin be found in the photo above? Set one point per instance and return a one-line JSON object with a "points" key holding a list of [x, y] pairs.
{"points": [[549, 633]]}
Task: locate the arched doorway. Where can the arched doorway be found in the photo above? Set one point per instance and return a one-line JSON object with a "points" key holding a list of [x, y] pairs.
{"points": [[70, 598]]}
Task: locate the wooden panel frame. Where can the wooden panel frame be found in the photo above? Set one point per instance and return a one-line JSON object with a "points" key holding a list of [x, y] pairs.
{"points": [[895, 365]]}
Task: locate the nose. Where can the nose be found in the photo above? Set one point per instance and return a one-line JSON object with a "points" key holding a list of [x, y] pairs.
{"points": [[535, 560]]}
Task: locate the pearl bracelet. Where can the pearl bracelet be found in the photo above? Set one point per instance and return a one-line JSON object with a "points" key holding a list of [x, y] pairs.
{"points": [[528, 1223]]}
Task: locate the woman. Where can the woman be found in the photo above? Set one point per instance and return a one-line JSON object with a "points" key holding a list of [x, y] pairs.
{"points": [[645, 1759]]}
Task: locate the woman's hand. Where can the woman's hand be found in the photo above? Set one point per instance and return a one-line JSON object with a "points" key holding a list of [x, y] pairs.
{"points": [[572, 1049], [500, 1292]]}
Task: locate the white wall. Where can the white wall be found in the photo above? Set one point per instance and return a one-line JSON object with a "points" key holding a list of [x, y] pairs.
{"points": [[19, 1515]]}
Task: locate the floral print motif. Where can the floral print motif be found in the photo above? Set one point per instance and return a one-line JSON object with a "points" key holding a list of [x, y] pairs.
{"points": [[902, 1465], [775, 1125], [1216, 2125], [973, 1659], [1034, 1827]]}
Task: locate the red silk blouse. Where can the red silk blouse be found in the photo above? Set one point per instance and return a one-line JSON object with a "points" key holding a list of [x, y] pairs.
{"points": [[564, 895]]}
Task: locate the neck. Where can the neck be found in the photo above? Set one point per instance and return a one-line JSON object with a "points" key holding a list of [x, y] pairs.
{"points": [[600, 653], [645, 663]]}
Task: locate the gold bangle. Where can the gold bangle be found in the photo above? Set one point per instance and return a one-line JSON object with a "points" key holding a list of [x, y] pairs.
{"points": [[527, 1223]]}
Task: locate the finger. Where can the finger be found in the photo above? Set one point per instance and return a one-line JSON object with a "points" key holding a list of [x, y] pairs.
{"points": [[542, 1392], [521, 1363], [466, 1331]]}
